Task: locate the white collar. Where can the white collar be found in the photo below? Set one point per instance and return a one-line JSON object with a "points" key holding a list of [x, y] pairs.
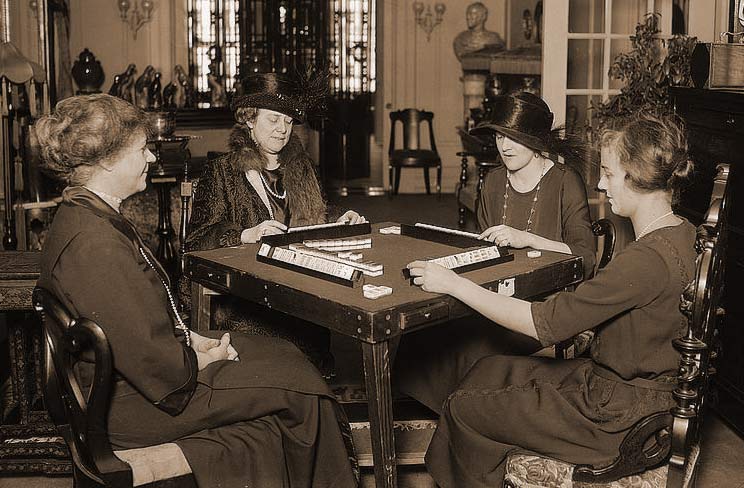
{"points": [[113, 201]]}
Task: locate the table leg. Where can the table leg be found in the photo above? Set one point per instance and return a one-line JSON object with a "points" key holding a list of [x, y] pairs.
{"points": [[463, 181], [165, 253], [201, 307], [380, 405]]}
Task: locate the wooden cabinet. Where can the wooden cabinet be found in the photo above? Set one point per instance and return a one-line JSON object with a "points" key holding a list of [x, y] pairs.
{"points": [[715, 123]]}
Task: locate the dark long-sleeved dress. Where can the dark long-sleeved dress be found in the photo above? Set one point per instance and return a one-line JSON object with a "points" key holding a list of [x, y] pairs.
{"points": [[561, 211], [229, 198], [267, 420], [575, 410], [432, 362]]}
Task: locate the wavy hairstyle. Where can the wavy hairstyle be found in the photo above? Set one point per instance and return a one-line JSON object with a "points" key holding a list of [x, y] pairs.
{"points": [[84, 131], [653, 150]]}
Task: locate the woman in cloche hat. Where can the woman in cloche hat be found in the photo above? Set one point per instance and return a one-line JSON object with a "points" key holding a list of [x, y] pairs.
{"points": [[531, 201], [263, 185], [578, 410]]}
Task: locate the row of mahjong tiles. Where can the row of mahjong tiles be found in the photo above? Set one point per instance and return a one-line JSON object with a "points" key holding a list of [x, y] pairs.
{"points": [[332, 257]]}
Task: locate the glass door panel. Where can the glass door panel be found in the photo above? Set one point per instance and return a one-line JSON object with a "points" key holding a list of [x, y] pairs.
{"points": [[585, 63], [586, 16], [627, 13]]}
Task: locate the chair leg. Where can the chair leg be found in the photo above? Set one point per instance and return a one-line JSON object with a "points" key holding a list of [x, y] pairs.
{"points": [[397, 180], [390, 180], [439, 181], [461, 216], [426, 181]]}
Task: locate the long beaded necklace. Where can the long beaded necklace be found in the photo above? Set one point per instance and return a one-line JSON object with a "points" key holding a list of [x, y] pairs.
{"points": [[268, 188], [648, 226], [181, 325], [534, 199]]}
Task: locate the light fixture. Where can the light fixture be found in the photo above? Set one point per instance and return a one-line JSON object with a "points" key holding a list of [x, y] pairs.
{"points": [[427, 21], [137, 15]]}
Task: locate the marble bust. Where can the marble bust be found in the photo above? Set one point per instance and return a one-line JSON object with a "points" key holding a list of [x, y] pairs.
{"points": [[477, 36]]}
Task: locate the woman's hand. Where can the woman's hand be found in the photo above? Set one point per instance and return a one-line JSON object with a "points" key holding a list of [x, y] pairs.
{"points": [[503, 235], [211, 350], [351, 217], [433, 277], [265, 228], [201, 343]]}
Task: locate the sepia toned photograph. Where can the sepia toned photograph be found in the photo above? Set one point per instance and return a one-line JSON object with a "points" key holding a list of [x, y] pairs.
{"points": [[371, 244]]}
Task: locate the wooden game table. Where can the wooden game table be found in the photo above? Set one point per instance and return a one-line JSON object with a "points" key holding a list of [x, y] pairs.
{"points": [[374, 323]]}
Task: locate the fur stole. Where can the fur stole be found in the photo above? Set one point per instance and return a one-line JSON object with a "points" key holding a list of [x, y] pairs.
{"points": [[304, 196]]}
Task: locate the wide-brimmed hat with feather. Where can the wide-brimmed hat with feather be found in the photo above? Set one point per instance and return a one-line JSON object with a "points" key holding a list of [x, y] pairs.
{"points": [[292, 96]]}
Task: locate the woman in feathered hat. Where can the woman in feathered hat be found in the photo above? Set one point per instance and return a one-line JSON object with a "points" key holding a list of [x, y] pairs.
{"points": [[263, 185], [531, 201]]}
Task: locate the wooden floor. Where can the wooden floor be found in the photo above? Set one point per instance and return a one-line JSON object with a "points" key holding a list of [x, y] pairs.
{"points": [[722, 459]]}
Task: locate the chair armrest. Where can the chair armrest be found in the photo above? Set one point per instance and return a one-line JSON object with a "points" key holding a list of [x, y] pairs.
{"points": [[635, 455]]}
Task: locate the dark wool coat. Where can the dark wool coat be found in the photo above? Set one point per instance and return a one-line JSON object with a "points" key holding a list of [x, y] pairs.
{"points": [[226, 203], [267, 420]]}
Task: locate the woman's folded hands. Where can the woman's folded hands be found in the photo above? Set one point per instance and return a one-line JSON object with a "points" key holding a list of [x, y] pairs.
{"points": [[209, 350]]}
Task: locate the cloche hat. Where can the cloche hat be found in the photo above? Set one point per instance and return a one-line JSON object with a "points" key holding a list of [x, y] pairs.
{"points": [[522, 117]]}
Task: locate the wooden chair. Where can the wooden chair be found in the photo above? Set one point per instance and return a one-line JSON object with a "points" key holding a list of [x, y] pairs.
{"points": [[470, 185], [411, 155], [80, 417], [662, 449], [605, 229]]}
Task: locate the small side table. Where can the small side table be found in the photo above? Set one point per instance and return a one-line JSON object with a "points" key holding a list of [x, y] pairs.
{"points": [[171, 164]]}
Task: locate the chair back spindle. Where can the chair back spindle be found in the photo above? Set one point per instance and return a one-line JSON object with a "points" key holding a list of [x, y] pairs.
{"points": [[700, 303]]}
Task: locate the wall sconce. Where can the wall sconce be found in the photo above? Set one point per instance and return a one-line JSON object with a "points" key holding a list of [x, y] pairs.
{"points": [[135, 17], [426, 20]]}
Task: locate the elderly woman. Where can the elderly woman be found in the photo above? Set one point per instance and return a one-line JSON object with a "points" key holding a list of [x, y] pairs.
{"points": [[265, 184], [245, 411], [531, 201], [579, 410]]}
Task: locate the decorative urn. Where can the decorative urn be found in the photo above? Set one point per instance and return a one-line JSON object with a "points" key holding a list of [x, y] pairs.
{"points": [[87, 73]]}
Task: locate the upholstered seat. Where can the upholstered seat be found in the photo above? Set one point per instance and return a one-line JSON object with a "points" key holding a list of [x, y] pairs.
{"points": [[531, 471]]}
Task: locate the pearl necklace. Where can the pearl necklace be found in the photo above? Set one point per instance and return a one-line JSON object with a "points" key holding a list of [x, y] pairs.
{"points": [[534, 200], [648, 226], [181, 325], [268, 188]]}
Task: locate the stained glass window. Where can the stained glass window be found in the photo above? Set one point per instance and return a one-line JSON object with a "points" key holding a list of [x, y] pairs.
{"points": [[214, 45], [279, 35], [353, 46]]}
